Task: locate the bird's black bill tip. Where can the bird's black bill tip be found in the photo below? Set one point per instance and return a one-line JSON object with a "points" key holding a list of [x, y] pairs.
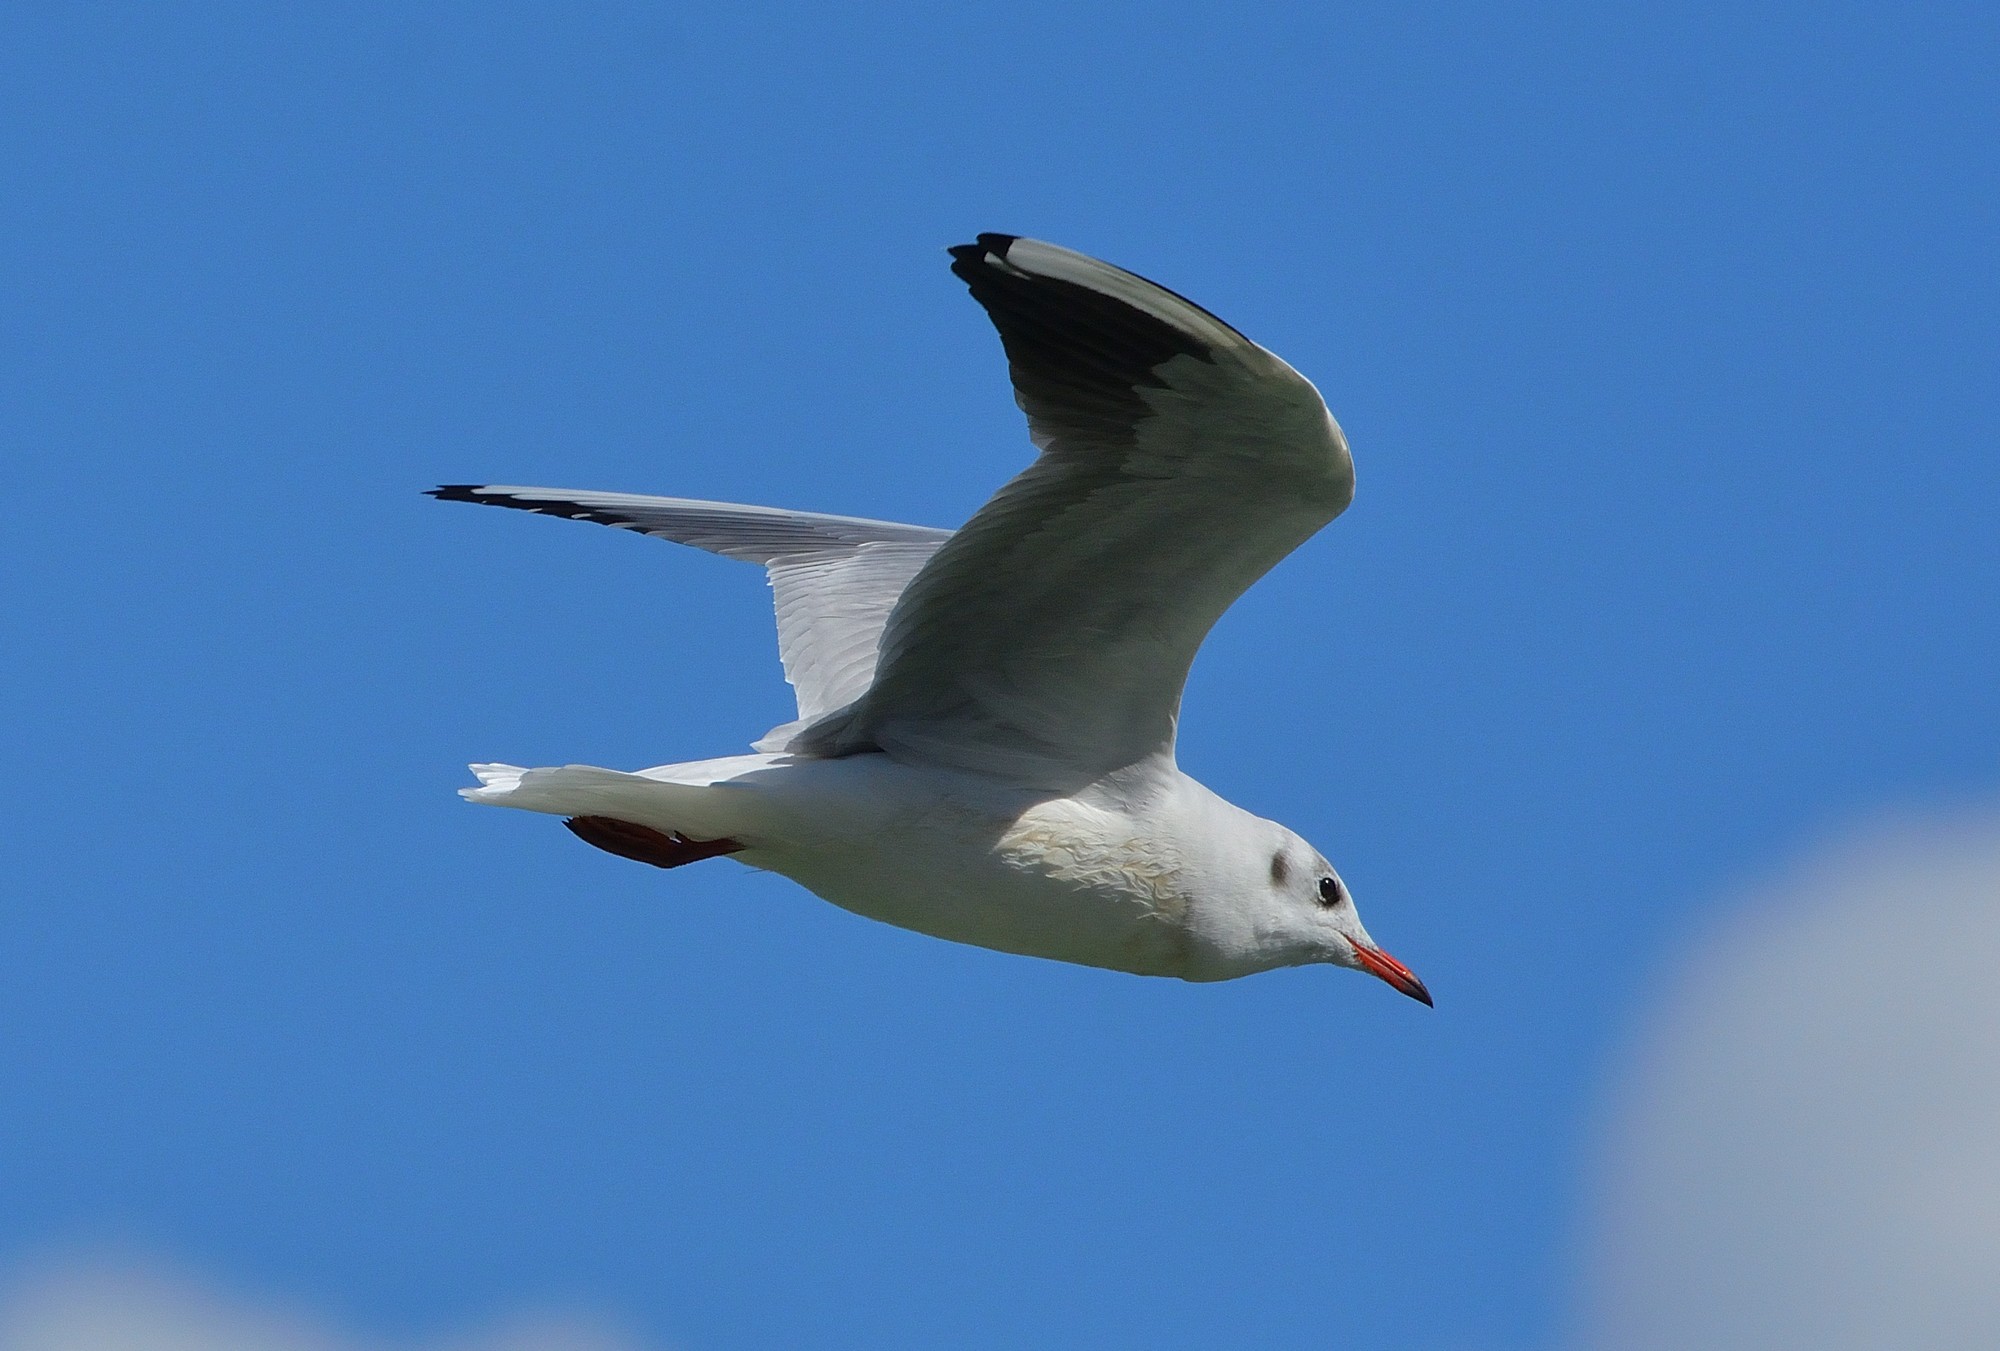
{"points": [[1393, 973]]}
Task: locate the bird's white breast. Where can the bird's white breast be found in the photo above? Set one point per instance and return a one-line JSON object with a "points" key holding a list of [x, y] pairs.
{"points": [[947, 855]]}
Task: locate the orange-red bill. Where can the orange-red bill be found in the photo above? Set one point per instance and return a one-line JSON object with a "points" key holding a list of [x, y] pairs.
{"points": [[1379, 963]]}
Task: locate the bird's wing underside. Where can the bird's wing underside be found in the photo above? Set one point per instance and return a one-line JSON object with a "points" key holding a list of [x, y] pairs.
{"points": [[834, 578], [1048, 640]]}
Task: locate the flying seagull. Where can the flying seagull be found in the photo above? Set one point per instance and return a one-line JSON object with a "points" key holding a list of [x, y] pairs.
{"points": [[984, 749]]}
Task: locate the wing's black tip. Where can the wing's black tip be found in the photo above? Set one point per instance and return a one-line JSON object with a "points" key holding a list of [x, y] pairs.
{"points": [[989, 243], [486, 496], [1068, 342], [987, 269]]}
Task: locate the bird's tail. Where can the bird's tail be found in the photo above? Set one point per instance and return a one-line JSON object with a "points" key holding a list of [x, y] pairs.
{"points": [[686, 800]]}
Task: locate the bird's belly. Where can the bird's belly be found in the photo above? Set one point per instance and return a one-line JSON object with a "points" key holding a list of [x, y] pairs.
{"points": [[1021, 885]]}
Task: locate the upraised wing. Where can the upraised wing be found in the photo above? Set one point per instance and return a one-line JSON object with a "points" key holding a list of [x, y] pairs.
{"points": [[1048, 640], [834, 578]]}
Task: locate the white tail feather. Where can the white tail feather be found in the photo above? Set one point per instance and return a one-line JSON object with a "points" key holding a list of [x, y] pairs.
{"points": [[700, 811]]}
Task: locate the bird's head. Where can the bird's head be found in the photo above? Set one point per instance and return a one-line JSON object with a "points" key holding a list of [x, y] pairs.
{"points": [[1312, 897]]}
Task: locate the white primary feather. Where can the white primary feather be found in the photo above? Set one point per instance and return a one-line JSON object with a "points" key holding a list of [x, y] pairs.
{"points": [[834, 579]]}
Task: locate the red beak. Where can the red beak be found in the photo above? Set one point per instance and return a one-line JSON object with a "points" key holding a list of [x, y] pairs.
{"points": [[1379, 963]]}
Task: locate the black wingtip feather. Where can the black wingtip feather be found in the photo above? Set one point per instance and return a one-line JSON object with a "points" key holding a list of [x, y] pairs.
{"points": [[971, 262], [1068, 344], [568, 511], [988, 243]]}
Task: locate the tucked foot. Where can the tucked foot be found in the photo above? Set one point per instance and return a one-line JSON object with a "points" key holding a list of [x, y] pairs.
{"points": [[646, 845]]}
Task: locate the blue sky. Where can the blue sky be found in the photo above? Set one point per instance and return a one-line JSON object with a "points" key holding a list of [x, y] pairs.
{"points": [[1665, 343]]}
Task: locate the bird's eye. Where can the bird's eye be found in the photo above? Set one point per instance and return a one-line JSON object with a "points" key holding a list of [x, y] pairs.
{"points": [[1329, 891]]}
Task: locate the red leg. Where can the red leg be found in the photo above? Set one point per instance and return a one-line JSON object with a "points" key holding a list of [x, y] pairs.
{"points": [[646, 845]]}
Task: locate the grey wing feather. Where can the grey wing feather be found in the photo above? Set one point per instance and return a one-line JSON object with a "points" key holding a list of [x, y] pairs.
{"points": [[1048, 640], [835, 579]]}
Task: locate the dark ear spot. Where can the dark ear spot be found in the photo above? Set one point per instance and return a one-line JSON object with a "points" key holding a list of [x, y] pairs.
{"points": [[1280, 869]]}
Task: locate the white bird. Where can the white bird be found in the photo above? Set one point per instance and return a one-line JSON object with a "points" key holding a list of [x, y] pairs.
{"points": [[985, 743]]}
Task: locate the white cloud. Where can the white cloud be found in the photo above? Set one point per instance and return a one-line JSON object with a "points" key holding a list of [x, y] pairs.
{"points": [[1807, 1152], [101, 1305]]}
